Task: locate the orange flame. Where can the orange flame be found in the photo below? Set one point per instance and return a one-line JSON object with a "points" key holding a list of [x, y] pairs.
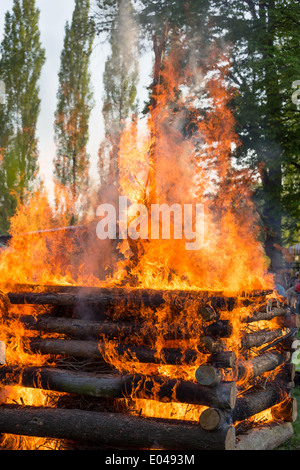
{"points": [[180, 155]]}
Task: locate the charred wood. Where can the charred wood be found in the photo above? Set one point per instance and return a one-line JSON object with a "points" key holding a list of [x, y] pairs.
{"points": [[93, 349], [78, 328], [119, 386], [210, 302], [253, 402]]}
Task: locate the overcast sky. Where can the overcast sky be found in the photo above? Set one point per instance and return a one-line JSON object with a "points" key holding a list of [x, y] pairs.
{"points": [[53, 16]]}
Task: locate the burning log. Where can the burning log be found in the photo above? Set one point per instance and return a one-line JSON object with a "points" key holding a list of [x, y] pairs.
{"points": [[104, 296], [61, 347], [262, 363], [94, 350], [285, 342], [163, 389], [259, 338], [77, 328], [208, 376], [112, 429], [267, 315], [208, 303], [255, 401], [119, 386], [103, 386], [223, 359], [133, 341], [286, 411], [94, 329], [289, 321]]}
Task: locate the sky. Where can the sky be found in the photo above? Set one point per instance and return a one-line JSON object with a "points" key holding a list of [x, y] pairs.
{"points": [[53, 17]]}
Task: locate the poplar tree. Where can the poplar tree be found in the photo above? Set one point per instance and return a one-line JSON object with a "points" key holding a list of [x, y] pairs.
{"points": [[22, 59], [74, 103], [120, 80]]}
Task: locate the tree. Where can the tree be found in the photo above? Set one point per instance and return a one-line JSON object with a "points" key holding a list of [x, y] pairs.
{"points": [[265, 36], [74, 103], [120, 84], [22, 59], [264, 40]]}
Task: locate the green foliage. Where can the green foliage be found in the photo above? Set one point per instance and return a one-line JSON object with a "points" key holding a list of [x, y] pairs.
{"points": [[22, 59], [265, 39], [74, 102]]}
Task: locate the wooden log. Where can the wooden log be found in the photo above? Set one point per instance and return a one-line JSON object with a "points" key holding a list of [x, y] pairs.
{"points": [[93, 349], [257, 400], [283, 341], [253, 402], [108, 296], [208, 313], [119, 386], [112, 429], [208, 375], [251, 340], [262, 363], [286, 376], [259, 316], [265, 437], [260, 337], [212, 301], [59, 380], [257, 293], [223, 359], [289, 321], [79, 289], [208, 344], [61, 347], [78, 328], [218, 329], [163, 389], [286, 411]]}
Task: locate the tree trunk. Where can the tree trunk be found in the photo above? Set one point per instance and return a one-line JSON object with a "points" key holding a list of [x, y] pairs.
{"points": [[114, 430]]}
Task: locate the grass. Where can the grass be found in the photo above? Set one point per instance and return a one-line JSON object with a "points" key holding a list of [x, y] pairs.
{"points": [[294, 442]]}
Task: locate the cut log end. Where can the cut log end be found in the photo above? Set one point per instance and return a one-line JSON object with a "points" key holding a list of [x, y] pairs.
{"points": [[211, 419], [208, 375]]}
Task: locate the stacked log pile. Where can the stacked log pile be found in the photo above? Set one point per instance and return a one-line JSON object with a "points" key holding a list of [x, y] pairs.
{"points": [[234, 387]]}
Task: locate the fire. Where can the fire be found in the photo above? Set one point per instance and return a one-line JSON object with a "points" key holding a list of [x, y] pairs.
{"points": [[162, 162], [168, 159]]}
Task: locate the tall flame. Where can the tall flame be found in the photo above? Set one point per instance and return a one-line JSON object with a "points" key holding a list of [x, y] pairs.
{"points": [[181, 154]]}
